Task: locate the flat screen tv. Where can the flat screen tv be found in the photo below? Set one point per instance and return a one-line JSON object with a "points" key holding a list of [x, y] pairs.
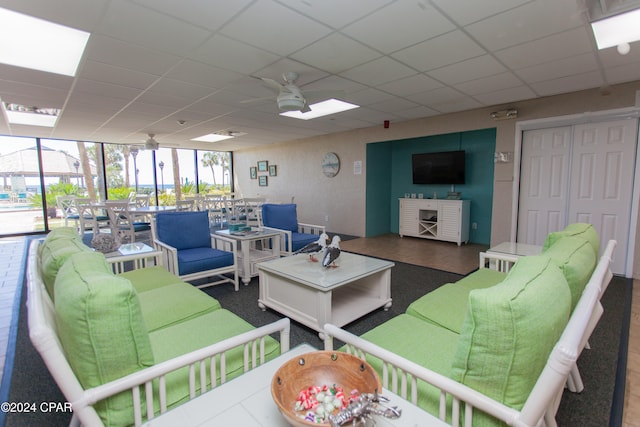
{"points": [[446, 167]]}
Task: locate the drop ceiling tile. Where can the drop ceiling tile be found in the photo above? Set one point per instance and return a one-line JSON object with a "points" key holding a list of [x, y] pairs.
{"points": [[465, 12], [559, 68], [336, 13], [547, 49], [208, 15], [256, 25], [105, 73], [86, 15], [9, 73], [229, 54], [335, 54], [98, 89], [440, 51], [160, 32], [368, 96], [410, 85], [417, 113], [443, 99], [379, 71], [419, 21], [623, 73], [489, 84], [202, 74], [26, 94], [568, 84], [393, 104], [456, 104], [471, 69], [125, 55], [181, 89], [512, 94], [531, 21]]}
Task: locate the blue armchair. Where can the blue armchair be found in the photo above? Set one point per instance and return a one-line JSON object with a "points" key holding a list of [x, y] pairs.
{"points": [[284, 218], [191, 252]]}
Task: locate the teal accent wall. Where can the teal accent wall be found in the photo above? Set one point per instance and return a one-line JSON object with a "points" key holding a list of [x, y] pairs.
{"points": [[379, 180], [391, 161]]}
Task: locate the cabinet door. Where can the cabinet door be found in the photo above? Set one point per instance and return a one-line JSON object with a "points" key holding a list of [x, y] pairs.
{"points": [[449, 217], [408, 218]]}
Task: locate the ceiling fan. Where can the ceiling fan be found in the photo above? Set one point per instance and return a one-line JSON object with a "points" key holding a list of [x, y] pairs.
{"points": [[151, 144], [290, 97]]}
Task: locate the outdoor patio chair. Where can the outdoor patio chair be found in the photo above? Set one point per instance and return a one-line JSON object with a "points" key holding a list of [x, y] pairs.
{"points": [[191, 252], [91, 216], [122, 222], [284, 218], [67, 206]]}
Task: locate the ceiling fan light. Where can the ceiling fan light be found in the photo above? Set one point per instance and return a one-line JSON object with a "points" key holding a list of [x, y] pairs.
{"points": [[290, 103]]}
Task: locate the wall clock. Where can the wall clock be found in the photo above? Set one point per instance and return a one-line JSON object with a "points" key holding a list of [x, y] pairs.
{"points": [[330, 165]]}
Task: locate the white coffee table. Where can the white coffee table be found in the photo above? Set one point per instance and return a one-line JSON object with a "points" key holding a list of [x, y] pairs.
{"points": [[251, 253], [246, 401], [313, 295]]}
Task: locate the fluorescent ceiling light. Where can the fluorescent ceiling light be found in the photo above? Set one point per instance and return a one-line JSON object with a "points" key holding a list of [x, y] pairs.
{"points": [[33, 116], [617, 29], [40, 45], [32, 119], [319, 109], [212, 137]]}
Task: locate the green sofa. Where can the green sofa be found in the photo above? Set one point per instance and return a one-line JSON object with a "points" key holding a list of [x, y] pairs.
{"points": [[491, 331], [110, 326]]}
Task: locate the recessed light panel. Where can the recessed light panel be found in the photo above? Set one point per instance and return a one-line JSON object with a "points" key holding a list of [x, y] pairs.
{"points": [[212, 137], [40, 45], [617, 29], [319, 109]]}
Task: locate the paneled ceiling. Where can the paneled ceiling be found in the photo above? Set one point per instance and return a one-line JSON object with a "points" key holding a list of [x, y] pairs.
{"points": [[182, 69]]}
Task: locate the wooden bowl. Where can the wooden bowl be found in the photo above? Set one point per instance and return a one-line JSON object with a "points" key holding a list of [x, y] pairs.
{"points": [[320, 368]]}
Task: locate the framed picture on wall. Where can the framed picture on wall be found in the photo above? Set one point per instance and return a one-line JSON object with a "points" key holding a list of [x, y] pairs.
{"points": [[263, 181], [263, 166], [273, 170], [253, 172]]}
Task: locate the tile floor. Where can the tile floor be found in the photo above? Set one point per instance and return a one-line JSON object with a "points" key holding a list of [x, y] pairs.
{"points": [[447, 257]]}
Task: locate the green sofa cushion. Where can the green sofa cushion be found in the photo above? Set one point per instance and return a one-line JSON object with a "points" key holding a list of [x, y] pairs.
{"points": [[101, 329], [175, 303], [196, 333], [445, 306], [482, 278], [577, 260], [56, 248], [509, 332], [577, 229], [421, 342], [149, 278]]}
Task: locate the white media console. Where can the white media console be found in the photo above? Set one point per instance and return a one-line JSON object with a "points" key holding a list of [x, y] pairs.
{"points": [[437, 219]]}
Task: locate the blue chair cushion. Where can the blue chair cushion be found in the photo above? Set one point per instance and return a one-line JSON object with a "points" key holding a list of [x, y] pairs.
{"points": [[184, 230], [202, 259], [282, 216], [141, 226], [299, 240]]}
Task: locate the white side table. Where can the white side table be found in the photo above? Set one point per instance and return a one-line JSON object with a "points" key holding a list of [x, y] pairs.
{"points": [[140, 254], [502, 257], [251, 252]]}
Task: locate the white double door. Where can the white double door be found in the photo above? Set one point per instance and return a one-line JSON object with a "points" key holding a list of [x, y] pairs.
{"points": [[580, 173]]}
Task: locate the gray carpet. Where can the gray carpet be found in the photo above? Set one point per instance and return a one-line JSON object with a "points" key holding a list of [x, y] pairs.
{"points": [[32, 383]]}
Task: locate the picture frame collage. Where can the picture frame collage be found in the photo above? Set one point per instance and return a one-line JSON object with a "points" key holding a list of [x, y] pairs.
{"points": [[262, 171]]}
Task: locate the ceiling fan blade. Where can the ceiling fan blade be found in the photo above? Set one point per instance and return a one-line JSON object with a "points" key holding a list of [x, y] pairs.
{"points": [[252, 100], [271, 84]]}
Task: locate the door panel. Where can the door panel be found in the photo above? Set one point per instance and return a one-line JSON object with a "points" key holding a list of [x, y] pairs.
{"points": [[602, 181], [581, 173], [544, 183]]}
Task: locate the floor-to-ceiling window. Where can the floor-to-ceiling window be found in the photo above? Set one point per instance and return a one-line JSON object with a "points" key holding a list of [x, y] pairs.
{"points": [[38, 173]]}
